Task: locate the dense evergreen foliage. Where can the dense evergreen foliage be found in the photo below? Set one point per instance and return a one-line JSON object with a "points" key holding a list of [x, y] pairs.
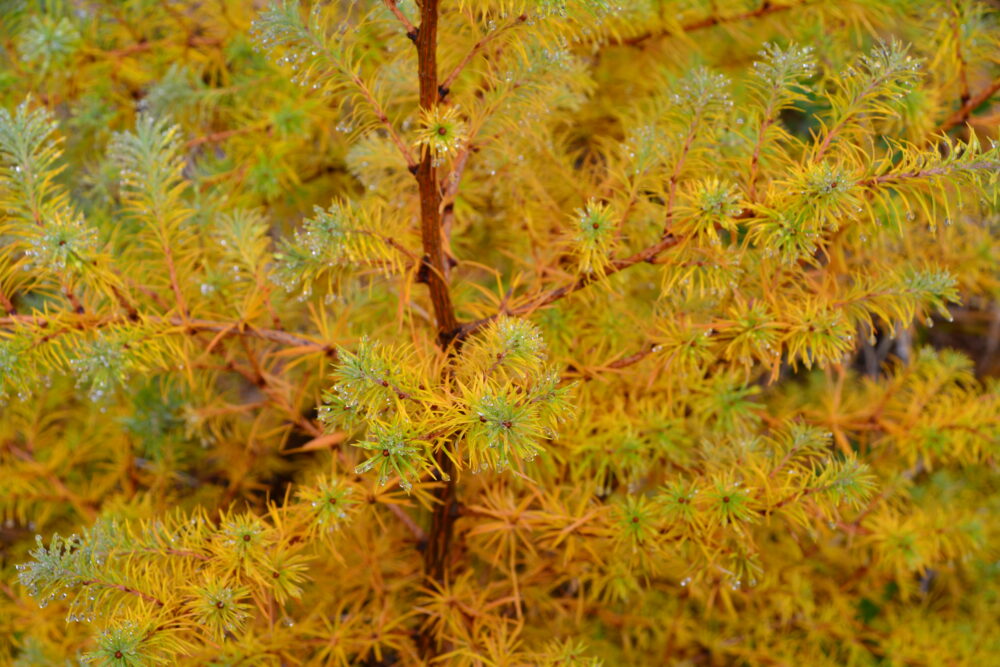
{"points": [[499, 332]]}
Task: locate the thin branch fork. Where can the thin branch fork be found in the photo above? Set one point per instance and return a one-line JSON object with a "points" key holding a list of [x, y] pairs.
{"points": [[645, 255], [446, 84], [834, 131], [411, 30]]}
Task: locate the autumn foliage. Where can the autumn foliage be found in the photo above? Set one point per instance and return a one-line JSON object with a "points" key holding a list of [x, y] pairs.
{"points": [[499, 332]]}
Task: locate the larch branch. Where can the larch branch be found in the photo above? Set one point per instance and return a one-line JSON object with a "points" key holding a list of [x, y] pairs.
{"points": [[393, 6], [476, 48], [648, 254], [963, 113], [192, 326], [766, 9]]}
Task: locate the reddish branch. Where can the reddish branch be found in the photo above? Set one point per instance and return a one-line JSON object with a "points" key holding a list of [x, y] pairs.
{"points": [[405, 518], [433, 273], [834, 131], [189, 326], [383, 118], [962, 114], [648, 254], [411, 30], [448, 204], [168, 255], [635, 358], [235, 329], [767, 8], [125, 589], [755, 160], [476, 48], [6, 304], [216, 137], [895, 177], [623, 362], [140, 47], [651, 253]]}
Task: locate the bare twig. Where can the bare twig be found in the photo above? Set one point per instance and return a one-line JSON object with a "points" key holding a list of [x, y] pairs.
{"points": [[125, 589], [895, 177], [648, 254], [448, 204], [767, 8], [7, 304], [168, 255], [216, 137], [446, 84], [963, 113], [411, 30], [408, 521], [189, 326], [616, 364], [383, 118]]}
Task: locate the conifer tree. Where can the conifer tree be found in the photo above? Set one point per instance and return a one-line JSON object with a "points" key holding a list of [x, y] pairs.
{"points": [[499, 332]]}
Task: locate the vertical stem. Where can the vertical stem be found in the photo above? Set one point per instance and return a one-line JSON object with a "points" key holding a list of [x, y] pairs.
{"points": [[430, 196], [433, 273]]}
